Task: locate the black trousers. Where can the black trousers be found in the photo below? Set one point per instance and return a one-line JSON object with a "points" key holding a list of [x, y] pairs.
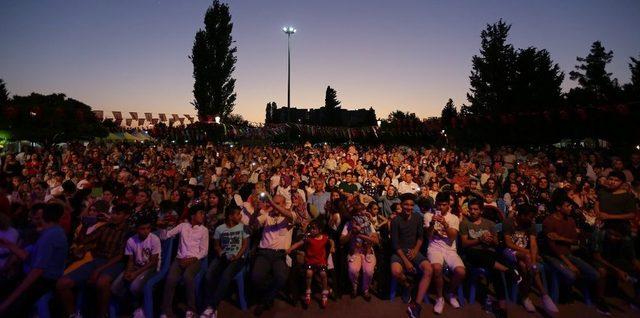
{"points": [[23, 306], [269, 273], [486, 259]]}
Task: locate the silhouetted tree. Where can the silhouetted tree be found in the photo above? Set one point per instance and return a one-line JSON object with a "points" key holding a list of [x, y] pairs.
{"points": [[634, 67], [632, 89], [399, 115], [537, 81], [213, 58], [492, 72], [4, 94], [56, 117], [269, 113], [235, 120], [331, 98], [595, 82], [331, 107], [448, 112]]}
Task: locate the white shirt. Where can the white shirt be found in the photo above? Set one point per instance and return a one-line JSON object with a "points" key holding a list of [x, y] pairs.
{"points": [[142, 250], [275, 181], [194, 240], [286, 193], [405, 187], [440, 238], [277, 231], [331, 164]]}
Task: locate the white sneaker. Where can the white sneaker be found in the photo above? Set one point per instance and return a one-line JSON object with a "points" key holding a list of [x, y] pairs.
{"points": [[454, 302], [208, 313], [439, 306], [190, 314], [138, 313], [549, 305], [528, 305]]}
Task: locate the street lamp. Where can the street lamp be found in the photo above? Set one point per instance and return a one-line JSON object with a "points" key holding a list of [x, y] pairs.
{"points": [[289, 31], [217, 119], [379, 122]]}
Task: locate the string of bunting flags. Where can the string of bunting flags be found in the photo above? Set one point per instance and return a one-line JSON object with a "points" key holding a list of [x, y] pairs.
{"points": [[208, 131]]}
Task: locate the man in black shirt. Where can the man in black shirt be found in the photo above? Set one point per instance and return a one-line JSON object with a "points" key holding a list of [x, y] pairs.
{"points": [[406, 240]]}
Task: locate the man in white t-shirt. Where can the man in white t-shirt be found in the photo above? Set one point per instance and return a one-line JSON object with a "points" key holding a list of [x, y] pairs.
{"points": [[270, 270], [442, 229], [143, 250], [407, 185]]}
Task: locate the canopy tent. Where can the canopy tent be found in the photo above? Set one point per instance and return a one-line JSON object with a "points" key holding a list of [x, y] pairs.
{"points": [[142, 136], [113, 137]]}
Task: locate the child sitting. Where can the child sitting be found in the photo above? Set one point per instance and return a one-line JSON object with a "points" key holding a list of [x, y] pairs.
{"points": [[317, 247], [143, 251], [193, 247]]}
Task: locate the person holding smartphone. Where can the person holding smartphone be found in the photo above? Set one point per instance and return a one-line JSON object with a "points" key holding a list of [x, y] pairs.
{"points": [[442, 229]]}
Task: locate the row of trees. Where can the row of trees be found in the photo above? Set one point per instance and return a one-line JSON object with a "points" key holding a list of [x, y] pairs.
{"points": [[47, 118], [505, 81]]}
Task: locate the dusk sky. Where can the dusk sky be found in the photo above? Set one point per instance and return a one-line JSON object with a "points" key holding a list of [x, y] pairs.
{"points": [[410, 55]]}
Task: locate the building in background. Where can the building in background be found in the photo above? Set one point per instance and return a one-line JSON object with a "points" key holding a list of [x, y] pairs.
{"points": [[322, 116]]}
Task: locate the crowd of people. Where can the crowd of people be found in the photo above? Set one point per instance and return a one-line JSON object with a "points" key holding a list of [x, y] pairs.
{"points": [[314, 222]]}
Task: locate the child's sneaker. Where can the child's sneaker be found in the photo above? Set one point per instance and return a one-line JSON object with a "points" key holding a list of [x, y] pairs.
{"points": [[138, 313], [549, 305], [454, 302], [413, 310], [307, 298], [439, 305], [528, 305], [208, 313]]}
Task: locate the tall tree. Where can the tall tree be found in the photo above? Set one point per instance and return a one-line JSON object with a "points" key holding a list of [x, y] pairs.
{"points": [[213, 58], [268, 118], [633, 88], [634, 67], [331, 108], [492, 72], [271, 110], [331, 98], [594, 80], [4, 93], [448, 112], [537, 81]]}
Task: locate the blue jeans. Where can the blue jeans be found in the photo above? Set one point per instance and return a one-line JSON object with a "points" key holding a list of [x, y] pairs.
{"points": [[219, 276], [587, 272]]}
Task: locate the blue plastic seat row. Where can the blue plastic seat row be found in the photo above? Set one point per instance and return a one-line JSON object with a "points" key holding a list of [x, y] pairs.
{"points": [[42, 305]]}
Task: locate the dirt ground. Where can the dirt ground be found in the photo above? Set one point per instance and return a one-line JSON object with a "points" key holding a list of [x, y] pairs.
{"points": [[359, 308]]}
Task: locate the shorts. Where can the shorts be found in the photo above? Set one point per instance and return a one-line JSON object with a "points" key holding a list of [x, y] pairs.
{"points": [[81, 275], [316, 267], [444, 257], [416, 260]]}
